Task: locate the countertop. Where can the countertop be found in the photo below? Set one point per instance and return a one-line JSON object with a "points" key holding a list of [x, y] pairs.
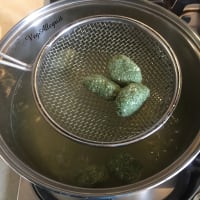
{"points": [[12, 11]]}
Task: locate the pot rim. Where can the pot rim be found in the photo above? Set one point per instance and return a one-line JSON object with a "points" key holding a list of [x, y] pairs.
{"points": [[142, 4]]}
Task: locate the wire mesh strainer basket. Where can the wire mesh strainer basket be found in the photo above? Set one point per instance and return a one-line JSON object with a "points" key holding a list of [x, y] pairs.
{"points": [[84, 48]]}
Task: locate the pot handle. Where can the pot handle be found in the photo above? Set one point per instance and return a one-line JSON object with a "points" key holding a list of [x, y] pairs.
{"points": [[191, 15], [12, 62]]}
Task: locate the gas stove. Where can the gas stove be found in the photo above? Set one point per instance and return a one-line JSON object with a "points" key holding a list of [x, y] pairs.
{"points": [[184, 186]]}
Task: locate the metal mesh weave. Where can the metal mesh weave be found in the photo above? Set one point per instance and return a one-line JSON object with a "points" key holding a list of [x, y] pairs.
{"points": [[84, 49]]}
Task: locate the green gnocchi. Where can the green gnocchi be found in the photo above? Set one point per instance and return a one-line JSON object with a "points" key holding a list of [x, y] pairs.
{"points": [[131, 98], [101, 86], [123, 70]]}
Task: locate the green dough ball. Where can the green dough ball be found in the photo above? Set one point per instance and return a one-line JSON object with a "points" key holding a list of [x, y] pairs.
{"points": [[125, 168], [131, 98], [91, 176], [123, 70], [101, 86]]}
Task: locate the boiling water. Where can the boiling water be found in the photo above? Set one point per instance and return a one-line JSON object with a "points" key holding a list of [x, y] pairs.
{"points": [[59, 158]]}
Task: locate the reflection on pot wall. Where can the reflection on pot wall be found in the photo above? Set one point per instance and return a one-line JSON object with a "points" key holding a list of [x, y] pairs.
{"points": [[6, 81]]}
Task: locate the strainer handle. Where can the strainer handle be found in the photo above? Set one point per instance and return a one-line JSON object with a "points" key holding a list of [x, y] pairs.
{"points": [[12, 62]]}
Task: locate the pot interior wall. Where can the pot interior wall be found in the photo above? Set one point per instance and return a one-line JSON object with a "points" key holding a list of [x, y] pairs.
{"points": [[58, 158]]}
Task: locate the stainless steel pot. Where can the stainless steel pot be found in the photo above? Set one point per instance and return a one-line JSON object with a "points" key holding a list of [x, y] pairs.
{"points": [[27, 142]]}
